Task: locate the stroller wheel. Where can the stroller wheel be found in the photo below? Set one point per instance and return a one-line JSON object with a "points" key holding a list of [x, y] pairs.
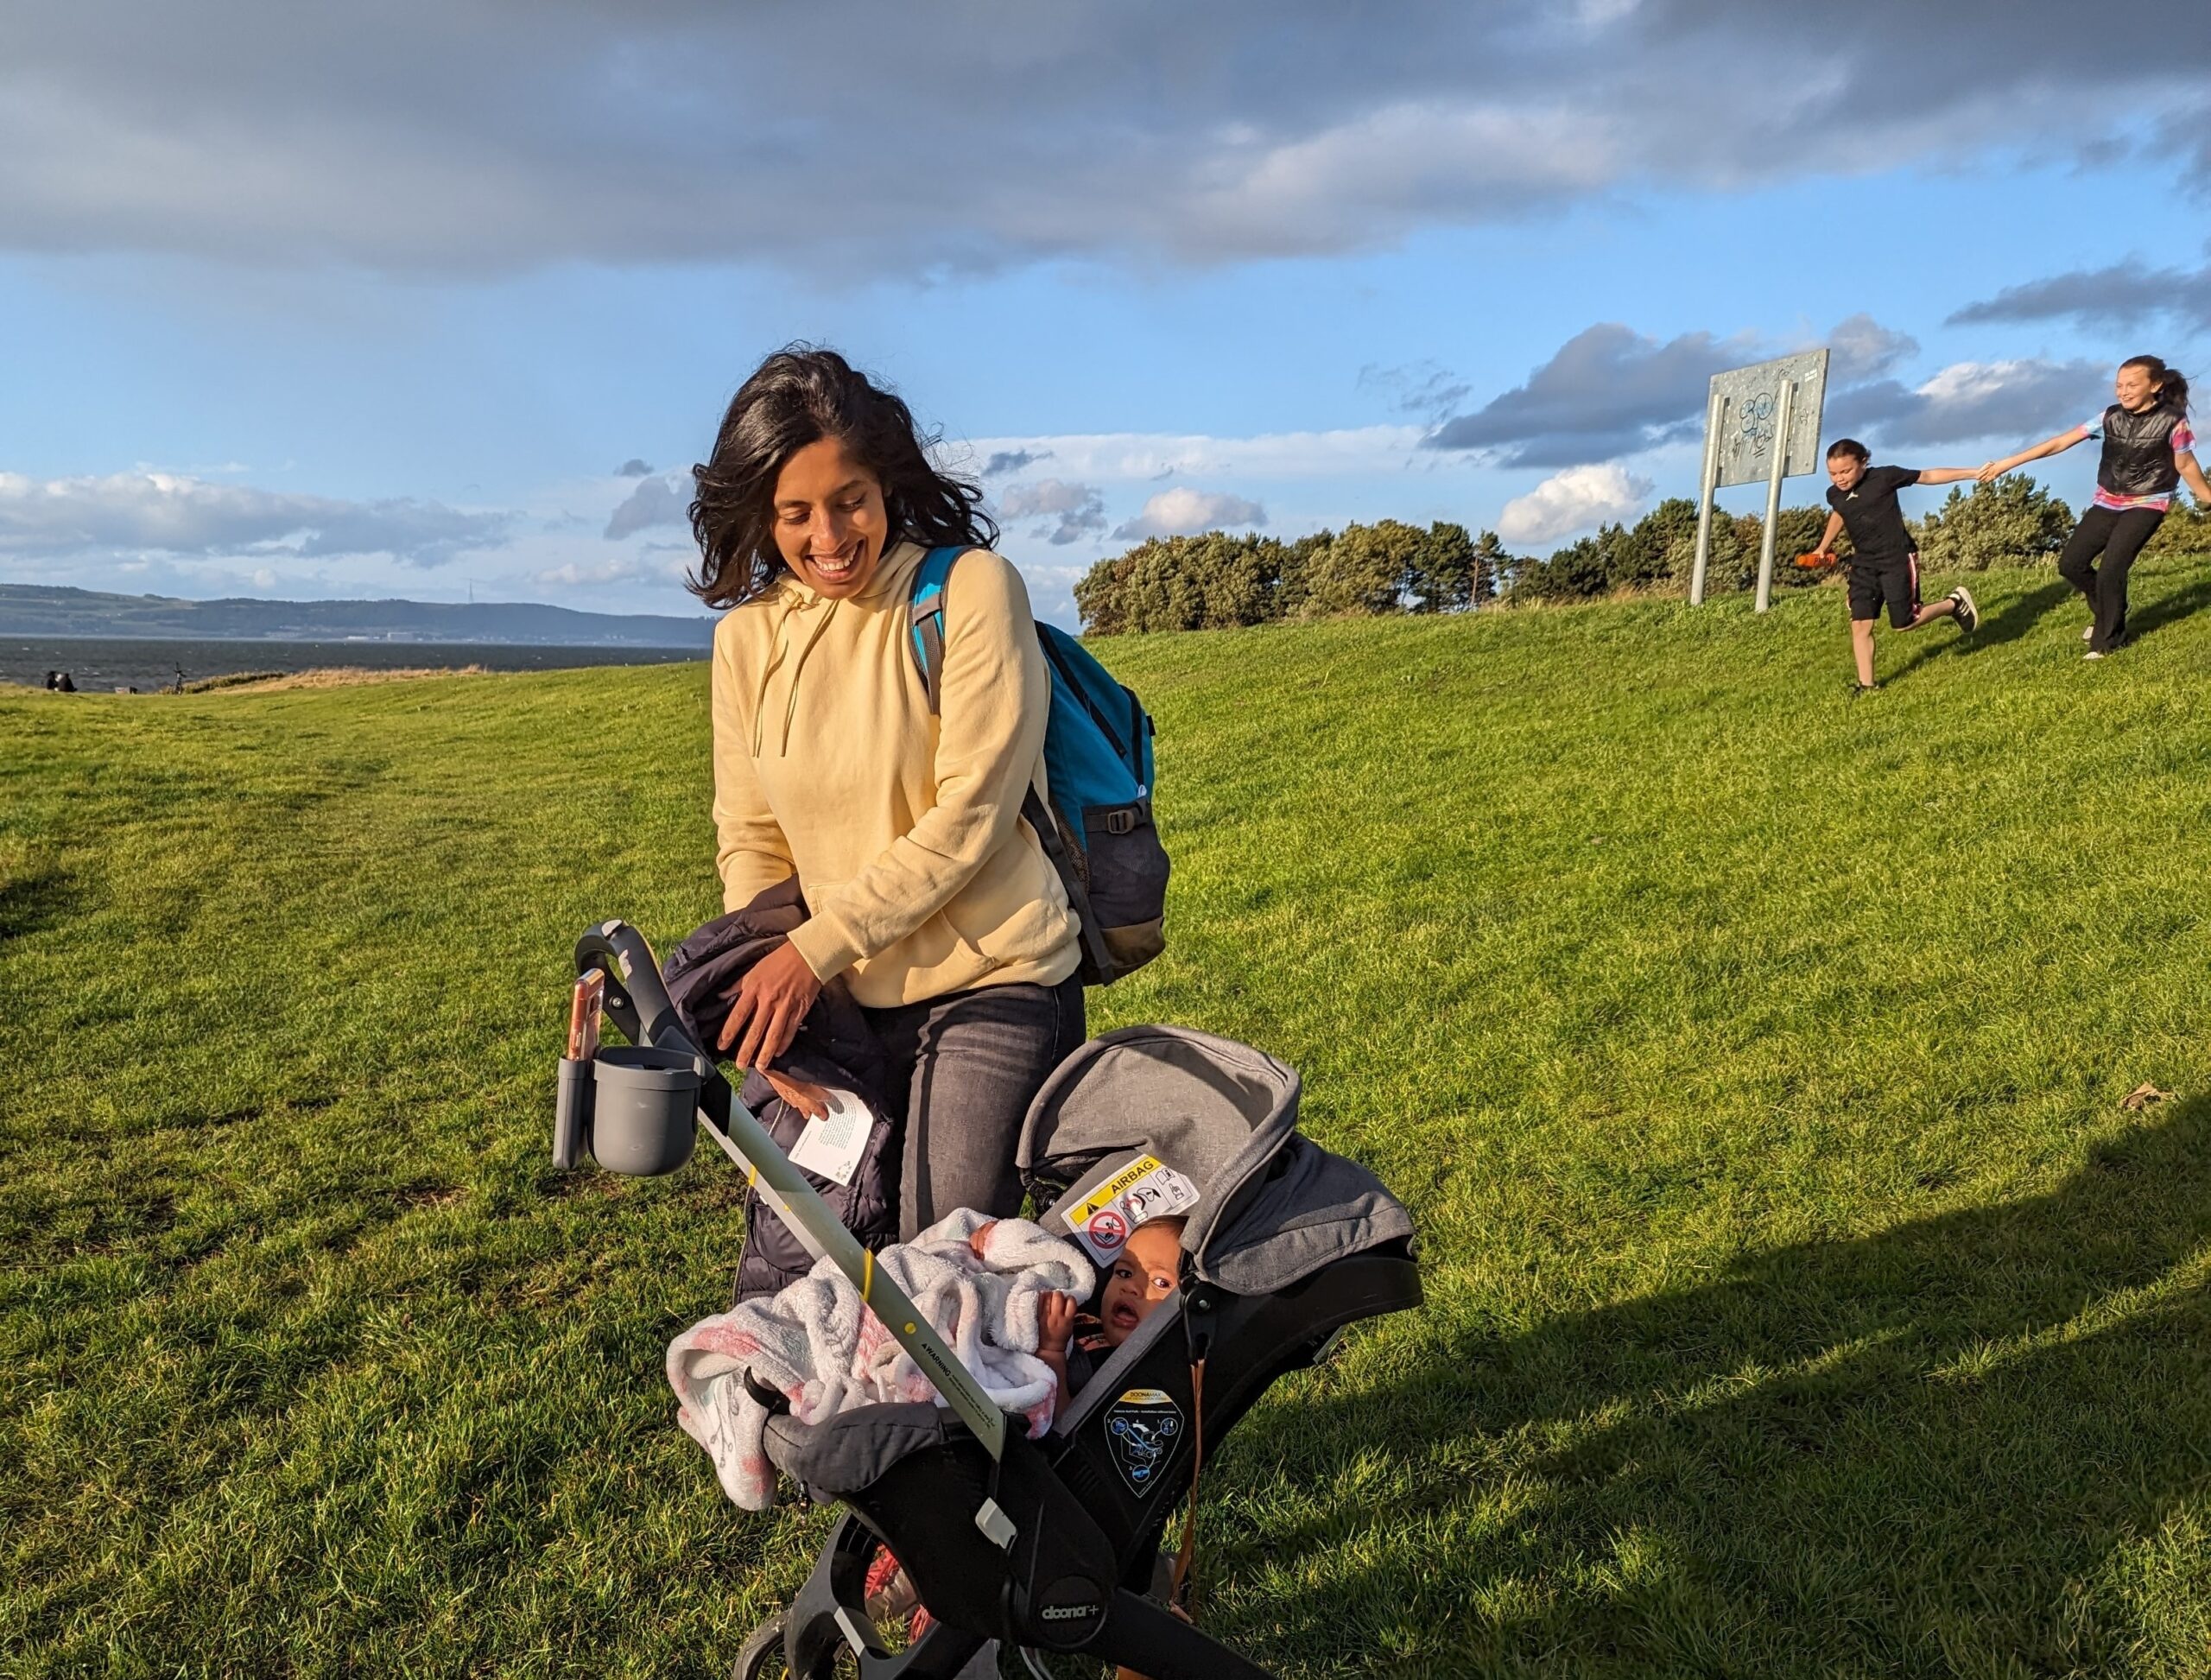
{"points": [[762, 1654]]}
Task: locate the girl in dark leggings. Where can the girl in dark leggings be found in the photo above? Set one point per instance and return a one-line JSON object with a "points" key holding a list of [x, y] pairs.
{"points": [[2147, 453]]}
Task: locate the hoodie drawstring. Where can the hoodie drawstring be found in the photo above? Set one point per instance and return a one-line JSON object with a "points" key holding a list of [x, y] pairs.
{"points": [[798, 669]]}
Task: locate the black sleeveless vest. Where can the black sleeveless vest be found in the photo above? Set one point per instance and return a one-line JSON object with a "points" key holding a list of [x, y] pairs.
{"points": [[2138, 452]]}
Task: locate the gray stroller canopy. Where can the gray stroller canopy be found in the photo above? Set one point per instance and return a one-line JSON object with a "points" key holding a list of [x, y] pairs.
{"points": [[1273, 1206]]}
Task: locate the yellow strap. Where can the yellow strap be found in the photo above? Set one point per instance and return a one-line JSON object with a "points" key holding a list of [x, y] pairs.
{"points": [[867, 1274]]}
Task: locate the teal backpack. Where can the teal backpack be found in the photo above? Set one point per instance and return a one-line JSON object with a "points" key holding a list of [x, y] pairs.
{"points": [[1097, 832]]}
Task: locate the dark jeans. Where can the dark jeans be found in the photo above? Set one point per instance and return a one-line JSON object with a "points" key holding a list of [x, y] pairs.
{"points": [[2118, 535], [966, 1067]]}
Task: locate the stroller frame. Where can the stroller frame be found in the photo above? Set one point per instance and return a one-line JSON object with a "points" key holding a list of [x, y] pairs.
{"points": [[1049, 1545]]}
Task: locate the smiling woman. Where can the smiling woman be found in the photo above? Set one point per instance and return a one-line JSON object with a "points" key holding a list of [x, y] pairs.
{"points": [[929, 898]]}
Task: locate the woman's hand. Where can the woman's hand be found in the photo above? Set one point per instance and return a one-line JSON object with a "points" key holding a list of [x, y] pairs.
{"points": [[1055, 1323], [770, 1002], [1992, 471]]}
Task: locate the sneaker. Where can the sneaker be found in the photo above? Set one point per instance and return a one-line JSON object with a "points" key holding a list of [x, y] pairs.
{"points": [[2092, 654], [1858, 689], [1968, 614]]}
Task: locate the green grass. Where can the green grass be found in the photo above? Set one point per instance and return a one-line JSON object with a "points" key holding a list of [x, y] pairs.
{"points": [[1801, 1300]]}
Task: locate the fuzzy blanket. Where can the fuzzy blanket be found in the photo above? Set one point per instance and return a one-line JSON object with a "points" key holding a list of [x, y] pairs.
{"points": [[816, 1344]]}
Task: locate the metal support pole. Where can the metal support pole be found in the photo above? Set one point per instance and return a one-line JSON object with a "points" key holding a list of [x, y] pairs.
{"points": [[1773, 493], [1715, 410]]}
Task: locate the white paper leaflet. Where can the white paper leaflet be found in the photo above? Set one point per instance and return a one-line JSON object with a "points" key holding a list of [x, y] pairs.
{"points": [[832, 1147]]}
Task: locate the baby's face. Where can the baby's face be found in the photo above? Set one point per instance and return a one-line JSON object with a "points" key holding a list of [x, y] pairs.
{"points": [[1142, 1278]]}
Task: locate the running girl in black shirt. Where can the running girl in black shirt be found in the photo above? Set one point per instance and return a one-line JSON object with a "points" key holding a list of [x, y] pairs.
{"points": [[2148, 450], [1884, 561]]}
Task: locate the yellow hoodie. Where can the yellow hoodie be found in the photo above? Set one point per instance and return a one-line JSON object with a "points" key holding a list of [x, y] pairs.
{"points": [[904, 830]]}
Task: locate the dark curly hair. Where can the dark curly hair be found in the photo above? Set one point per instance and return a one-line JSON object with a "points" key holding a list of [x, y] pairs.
{"points": [[798, 395]]}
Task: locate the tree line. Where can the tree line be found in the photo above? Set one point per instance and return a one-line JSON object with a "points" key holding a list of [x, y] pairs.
{"points": [[1217, 580]]}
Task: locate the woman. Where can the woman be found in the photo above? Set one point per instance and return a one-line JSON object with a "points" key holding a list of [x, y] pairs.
{"points": [[2147, 452], [927, 894]]}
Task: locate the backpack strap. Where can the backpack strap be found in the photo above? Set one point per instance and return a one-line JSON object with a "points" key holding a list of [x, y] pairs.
{"points": [[925, 617]]}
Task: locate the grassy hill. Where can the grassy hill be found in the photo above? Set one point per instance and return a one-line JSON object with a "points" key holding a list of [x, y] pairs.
{"points": [[1803, 1299]]}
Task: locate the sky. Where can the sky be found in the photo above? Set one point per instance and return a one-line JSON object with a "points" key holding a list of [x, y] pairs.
{"points": [[443, 301]]}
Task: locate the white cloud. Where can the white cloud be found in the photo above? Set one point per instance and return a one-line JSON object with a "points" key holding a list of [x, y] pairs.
{"points": [[606, 574], [172, 513], [1046, 496], [1078, 508], [1183, 511], [1574, 500], [1864, 349], [413, 134], [1141, 457], [665, 501], [1967, 401]]}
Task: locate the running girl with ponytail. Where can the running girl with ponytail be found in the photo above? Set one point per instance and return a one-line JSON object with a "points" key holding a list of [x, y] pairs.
{"points": [[2148, 450]]}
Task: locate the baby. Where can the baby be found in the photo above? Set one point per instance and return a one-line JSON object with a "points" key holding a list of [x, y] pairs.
{"points": [[1142, 1275]]}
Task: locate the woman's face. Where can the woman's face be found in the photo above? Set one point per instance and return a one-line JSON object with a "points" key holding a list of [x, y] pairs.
{"points": [[830, 520], [2134, 388]]}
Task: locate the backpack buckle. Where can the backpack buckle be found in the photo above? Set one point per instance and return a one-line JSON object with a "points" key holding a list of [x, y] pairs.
{"points": [[1123, 821]]}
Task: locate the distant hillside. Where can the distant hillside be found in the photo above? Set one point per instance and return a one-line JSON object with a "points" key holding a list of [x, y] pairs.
{"points": [[32, 610]]}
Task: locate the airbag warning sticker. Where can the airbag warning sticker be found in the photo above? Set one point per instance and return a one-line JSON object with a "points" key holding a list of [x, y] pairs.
{"points": [[1146, 1189]]}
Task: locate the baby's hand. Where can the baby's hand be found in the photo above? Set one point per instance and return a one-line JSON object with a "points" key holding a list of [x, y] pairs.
{"points": [[1055, 1322], [982, 1236]]}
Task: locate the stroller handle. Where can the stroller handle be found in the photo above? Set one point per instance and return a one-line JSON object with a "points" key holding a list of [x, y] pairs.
{"points": [[637, 1002]]}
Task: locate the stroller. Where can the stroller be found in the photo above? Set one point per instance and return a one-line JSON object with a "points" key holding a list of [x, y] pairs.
{"points": [[1052, 1545]]}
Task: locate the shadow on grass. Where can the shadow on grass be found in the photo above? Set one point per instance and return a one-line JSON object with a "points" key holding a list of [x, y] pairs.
{"points": [[1915, 1452], [2155, 615], [2012, 621], [36, 901]]}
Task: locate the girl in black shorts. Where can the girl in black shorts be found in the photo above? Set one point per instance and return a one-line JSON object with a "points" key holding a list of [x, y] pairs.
{"points": [[1884, 560]]}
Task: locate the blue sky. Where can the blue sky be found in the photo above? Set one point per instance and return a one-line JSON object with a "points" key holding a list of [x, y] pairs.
{"points": [[299, 306]]}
